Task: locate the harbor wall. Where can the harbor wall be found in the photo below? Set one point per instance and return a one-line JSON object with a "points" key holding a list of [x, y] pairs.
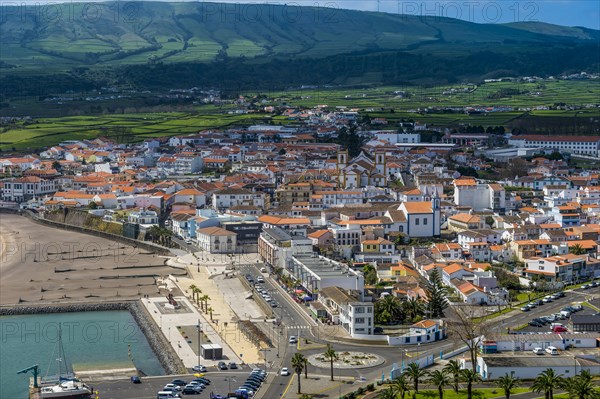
{"points": [[162, 349]]}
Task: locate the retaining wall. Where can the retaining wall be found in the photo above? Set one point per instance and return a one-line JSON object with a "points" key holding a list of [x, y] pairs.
{"points": [[264, 306], [125, 240]]}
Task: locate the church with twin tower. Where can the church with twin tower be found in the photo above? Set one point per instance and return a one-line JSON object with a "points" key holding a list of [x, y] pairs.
{"points": [[361, 171]]}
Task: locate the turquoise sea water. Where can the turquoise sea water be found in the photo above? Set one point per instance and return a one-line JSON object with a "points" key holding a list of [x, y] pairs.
{"points": [[91, 340]]}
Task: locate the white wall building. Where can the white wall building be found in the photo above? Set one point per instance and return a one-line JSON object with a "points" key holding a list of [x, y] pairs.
{"points": [[346, 308]]}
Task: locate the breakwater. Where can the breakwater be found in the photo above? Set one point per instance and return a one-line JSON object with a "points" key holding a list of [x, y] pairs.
{"points": [[159, 345]]}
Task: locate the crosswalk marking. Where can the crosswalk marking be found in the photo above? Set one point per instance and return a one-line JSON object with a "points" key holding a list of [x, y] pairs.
{"points": [[297, 327]]}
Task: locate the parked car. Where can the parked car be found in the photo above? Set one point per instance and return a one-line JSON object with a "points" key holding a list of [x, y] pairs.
{"points": [[136, 380], [552, 350], [200, 368], [263, 269], [260, 279], [534, 323], [285, 371], [293, 339], [531, 305], [525, 309], [222, 366], [538, 351], [202, 380], [232, 365], [180, 383], [559, 329]]}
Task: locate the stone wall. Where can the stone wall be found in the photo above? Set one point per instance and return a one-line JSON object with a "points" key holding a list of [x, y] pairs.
{"points": [[148, 246]]}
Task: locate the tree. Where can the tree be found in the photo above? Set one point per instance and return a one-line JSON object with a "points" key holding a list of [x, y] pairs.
{"points": [[439, 379], [507, 383], [414, 307], [400, 386], [210, 311], [56, 165], [415, 373], [467, 330], [470, 377], [453, 369], [547, 382], [305, 368], [370, 274], [388, 309], [332, 356], [193, 288], [198, 291], [298, 365], [436, 294], [577, 249], [581, 386]]}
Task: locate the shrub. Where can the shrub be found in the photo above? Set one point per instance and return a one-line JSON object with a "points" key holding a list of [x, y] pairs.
{"points": [[370, 387]]}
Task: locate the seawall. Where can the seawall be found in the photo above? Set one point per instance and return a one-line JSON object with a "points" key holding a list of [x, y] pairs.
{"points": [[162, 349]]}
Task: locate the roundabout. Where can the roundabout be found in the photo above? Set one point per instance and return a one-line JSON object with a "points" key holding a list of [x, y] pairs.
{"points": [[347, 360]]}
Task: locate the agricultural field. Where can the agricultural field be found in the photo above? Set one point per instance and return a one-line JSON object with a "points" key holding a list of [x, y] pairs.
{"points": [[401, 98], [124, 127]]}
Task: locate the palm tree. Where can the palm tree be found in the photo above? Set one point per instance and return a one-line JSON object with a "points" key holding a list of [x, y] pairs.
{"points": [[210, 310], [206, 299], [414, 307], [581, 386], [577, 249], [400, 386], [198, 292], [470, 376], [507, 383], [440, 379], [415, 372], [193, 289], [305, 368], [388, 309], [547, 382], [387, 394], [453, 369], [332, 356], [298, 365]]}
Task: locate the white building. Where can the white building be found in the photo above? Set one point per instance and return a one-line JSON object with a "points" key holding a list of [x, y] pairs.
{"points": [[228, 197], [26, 188], [216, 240], [346, 307], [467, 192], [144, 217], [584, 145]]}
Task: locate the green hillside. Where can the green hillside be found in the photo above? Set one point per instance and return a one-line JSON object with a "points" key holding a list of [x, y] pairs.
{"points": [[107, 34], [82, 47]]}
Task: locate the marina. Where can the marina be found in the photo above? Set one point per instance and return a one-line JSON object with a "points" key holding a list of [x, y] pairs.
{"points": [[95, 344]]}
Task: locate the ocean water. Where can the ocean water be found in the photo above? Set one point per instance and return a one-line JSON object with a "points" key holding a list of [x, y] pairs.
{"points": [[91, 341]]}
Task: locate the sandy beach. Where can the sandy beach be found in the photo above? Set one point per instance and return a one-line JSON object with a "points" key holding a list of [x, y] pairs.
{"points": [[43, 264]]}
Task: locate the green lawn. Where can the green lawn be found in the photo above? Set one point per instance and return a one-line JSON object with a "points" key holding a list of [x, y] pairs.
{"points": [[480, 393]]}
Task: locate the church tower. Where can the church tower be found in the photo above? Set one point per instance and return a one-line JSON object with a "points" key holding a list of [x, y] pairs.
{"points": [[380, 165], [436, 207], [342, 160]]}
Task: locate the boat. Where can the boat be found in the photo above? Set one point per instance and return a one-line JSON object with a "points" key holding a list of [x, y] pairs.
{"points": [[65, 385]]}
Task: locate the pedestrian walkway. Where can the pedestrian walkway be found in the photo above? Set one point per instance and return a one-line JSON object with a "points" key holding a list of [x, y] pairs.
{"points": [[169, 322], [224, 319]]}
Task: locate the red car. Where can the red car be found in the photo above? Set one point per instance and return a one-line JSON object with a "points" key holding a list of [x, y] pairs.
{"points": [[559, 329]]}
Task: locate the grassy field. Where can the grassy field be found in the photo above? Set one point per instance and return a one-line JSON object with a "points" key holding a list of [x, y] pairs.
{"points": [[50, 131], [545, 93], [478, 393]]}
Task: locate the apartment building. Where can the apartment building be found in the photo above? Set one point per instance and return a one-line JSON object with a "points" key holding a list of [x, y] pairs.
{"points": [[346, 308]]}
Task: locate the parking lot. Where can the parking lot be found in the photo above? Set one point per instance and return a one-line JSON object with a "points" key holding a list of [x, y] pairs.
{"points": [[554, 307], [221, 383]]}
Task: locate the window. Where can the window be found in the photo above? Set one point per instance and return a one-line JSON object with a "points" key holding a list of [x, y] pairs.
{"points": [[417, 221], [424, 221]]}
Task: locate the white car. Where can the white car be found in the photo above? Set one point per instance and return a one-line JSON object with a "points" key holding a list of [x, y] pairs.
{"points": [[538, 351], [293, 340], [199, 368], [285, 371], [263, 269], [260, 279]]}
